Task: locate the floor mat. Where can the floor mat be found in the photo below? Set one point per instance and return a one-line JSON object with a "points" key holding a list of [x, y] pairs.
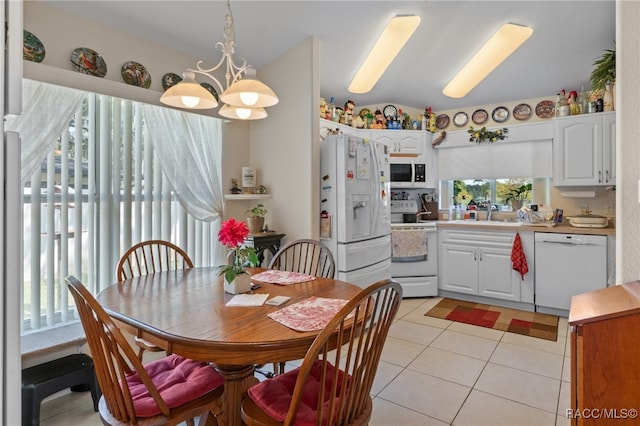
{"points": [[534, 324]]}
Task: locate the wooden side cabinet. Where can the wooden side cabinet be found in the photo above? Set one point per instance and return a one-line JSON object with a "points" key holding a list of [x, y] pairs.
{"points": [[605, 356]]}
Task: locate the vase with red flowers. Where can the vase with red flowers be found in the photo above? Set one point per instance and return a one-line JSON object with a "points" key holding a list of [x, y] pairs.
{"points": [[232, 235]]}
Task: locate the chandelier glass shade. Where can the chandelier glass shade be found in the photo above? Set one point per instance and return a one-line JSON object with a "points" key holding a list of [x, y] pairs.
{"points": [[244, 97], [188, 94], [242, 113]]}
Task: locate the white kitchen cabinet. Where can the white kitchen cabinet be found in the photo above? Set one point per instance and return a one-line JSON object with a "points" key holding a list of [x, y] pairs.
{"points": [[584, 150], [401, 142], [479, 263], [326, 125]]}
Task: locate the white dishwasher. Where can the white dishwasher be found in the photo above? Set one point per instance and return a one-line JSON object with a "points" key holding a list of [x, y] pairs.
{"points": [[565, 265]]}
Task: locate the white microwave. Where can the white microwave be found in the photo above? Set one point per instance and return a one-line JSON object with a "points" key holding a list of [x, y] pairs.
{"points": [[408, 174]]}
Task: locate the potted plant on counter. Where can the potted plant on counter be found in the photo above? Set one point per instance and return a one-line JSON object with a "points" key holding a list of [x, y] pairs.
{"points": [[518, 195], [255, 218]]}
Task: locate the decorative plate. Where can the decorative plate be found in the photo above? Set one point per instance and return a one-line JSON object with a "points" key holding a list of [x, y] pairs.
{"points": [[32, 47], [390, 111], [170, 79], [500, 114], [522, 112], [460, 119], [87, 61], [135, 74], [544, 109], [480, 116], [442, 121], [211, 90]]}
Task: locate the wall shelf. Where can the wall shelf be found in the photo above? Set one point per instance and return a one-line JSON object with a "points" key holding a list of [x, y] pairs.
{"points": [[246, 196]]}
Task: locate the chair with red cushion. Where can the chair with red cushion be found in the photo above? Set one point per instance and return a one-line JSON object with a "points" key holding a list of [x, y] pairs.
{"points": [[170, 390], [145, 258], [333, 384]]}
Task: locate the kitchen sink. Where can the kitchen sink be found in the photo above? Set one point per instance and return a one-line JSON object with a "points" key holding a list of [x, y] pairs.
{"points": [[486, 223]]}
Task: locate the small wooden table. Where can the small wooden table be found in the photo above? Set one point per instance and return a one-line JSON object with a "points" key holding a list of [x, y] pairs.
{"points": [[184, 312], [264, 241]]}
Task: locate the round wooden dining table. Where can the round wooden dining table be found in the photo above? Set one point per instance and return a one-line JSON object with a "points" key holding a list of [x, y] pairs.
{"points": [[185, 312]]}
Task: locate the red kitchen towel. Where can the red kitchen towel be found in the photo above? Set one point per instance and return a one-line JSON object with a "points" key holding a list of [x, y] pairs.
{"points": [[518, 259]]}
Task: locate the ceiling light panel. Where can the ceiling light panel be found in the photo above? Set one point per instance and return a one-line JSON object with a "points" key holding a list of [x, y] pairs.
{"points": [[391, 41], [502, 44]]}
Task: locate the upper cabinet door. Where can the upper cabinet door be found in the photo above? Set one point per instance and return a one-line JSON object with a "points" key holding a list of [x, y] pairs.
{"points": [[609, 148], [584, 150]]}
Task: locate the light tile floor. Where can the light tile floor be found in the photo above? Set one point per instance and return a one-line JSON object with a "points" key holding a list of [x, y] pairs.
{"points": [[437, 372]]}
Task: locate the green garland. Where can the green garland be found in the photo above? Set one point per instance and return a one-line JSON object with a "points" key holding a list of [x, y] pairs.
{"points": [[484, 135]]}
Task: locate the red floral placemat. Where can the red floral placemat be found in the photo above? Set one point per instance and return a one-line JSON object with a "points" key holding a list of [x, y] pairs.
{"points": [[275, 276], [311, 314]]}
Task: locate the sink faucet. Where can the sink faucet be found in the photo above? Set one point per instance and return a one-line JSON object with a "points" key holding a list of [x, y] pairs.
{"points": [[489, 209]]}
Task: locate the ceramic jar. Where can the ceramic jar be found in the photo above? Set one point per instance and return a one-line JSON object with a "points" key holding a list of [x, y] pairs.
{"points": [[240, 284]]}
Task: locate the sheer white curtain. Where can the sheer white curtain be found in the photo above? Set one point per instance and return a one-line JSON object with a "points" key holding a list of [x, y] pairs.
{"points": [[46, 111], [189, 147]]}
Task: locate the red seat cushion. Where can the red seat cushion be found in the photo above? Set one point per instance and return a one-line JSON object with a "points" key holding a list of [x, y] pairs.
{"points": [[178, 379], [274, 396]]}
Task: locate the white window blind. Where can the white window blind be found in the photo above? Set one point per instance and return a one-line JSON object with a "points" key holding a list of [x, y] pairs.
{"points": [[496, 160], [100, 190]]}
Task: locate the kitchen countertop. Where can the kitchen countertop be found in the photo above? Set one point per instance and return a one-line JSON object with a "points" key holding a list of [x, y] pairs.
{"points": [[562, 228]]}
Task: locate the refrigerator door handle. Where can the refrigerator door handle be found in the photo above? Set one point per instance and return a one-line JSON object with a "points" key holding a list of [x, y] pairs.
{"points": [[375, 179]]}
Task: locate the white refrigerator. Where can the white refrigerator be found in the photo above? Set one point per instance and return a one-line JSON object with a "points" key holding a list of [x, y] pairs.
{"points": [[355, 209]]}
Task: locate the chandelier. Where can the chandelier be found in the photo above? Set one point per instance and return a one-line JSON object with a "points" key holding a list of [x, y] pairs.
{"points": [[244, 97]]}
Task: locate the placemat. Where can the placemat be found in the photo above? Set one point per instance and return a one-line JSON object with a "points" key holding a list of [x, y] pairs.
{"points": [[275, 276], [311, 314]]}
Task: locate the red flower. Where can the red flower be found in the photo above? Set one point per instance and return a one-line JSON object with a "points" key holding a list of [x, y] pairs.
{"points": [[232, 233]]}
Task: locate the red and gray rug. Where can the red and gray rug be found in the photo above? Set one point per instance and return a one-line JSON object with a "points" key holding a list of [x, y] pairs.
{"points": [[532, 324]]}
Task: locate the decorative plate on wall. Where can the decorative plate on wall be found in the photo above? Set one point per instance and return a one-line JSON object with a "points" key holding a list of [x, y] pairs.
{"points": [[500, 114], [135, 74], [460, 119], [87, 61], [544, 109], [522, 112], [170, 79], [32, 47], [480, 116], [442, 121]]}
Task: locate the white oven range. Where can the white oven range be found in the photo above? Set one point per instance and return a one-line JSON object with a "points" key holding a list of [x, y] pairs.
{"points": [[418, 275]]}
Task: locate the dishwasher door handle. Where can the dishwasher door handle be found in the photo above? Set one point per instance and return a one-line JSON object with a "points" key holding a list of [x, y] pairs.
{"points": [[569, 243]]}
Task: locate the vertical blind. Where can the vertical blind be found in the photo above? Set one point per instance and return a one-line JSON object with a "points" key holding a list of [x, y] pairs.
{"points": [[100, 190]]}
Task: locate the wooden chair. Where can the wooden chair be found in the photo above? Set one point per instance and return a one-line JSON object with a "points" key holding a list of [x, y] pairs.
{"points": [[146, 258], [152, 256], [170, 390], [333, 384], [305, 256]]}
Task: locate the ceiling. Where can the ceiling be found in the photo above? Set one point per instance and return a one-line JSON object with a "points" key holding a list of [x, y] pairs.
{"points": [[568, 36]]}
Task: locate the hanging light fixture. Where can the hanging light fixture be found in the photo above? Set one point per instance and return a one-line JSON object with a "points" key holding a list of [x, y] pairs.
{"points": [[244, 97]]}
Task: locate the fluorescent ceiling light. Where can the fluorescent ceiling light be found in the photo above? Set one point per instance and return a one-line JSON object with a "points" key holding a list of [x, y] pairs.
{"points": [[502, 44], [392, 39]]}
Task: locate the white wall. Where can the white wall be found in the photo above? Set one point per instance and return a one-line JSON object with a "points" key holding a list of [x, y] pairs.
{"points": [[628, 140], [285, 146]]}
